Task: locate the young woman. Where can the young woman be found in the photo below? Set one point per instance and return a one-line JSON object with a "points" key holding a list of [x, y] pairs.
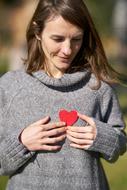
{"points": [[60, 115]]}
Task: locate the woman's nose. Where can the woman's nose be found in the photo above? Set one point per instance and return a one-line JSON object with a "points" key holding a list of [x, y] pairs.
{"points": [[66, 48]]}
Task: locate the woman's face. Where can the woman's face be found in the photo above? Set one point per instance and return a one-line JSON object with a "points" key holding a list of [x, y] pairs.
{"points": [[61, 42]]}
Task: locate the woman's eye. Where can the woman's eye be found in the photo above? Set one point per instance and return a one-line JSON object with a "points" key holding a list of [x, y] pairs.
{"points": [[77, 39]]}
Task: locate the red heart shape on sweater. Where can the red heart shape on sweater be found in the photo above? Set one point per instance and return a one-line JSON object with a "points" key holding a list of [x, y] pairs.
{"points": [[68, 117]]}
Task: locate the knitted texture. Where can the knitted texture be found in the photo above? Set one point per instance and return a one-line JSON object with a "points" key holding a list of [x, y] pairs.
{"points": [[25, 99]]}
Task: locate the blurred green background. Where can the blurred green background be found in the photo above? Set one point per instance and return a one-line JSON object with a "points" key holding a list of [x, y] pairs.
{"points": [[102, 12]]}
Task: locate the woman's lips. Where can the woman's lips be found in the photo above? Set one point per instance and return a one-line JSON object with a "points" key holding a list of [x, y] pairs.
{"points": [[65, 59]]}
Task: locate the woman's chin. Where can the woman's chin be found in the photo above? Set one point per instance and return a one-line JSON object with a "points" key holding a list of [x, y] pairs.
{"points": [[64, 65]]}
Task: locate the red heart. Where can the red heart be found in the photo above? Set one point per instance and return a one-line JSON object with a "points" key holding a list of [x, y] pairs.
{"points": [[68, 117]]}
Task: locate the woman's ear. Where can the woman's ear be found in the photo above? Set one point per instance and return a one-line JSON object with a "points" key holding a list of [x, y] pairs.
{"points": [[37, 37], [34, 23]]}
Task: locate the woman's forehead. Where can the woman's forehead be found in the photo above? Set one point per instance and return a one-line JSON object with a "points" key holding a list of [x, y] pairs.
{"points": [[59, 24]]}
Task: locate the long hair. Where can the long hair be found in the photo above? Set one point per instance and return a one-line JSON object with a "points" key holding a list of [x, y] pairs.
{"points": [[91, 55]]}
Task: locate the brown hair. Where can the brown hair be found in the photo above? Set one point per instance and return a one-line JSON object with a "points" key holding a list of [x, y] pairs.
{"points": [[91, 56]]}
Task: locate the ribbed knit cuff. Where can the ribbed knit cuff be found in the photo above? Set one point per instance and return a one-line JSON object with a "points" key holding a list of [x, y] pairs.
{"points": [[13, 154], [106, 141]]}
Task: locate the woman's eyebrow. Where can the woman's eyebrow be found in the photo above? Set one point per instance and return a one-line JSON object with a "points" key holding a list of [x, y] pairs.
{"points": [[56, 35], [62, 36]]}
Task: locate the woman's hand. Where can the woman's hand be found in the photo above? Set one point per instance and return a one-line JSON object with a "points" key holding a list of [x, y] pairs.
{"points": [[82, 137], [43, 135]]}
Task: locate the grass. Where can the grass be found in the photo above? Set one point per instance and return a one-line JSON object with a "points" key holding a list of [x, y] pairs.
{"points": [[3, 65], [117, 173], [3, 182]]}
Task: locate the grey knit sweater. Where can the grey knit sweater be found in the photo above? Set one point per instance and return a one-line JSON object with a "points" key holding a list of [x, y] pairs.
{"points": [[25, 99]]}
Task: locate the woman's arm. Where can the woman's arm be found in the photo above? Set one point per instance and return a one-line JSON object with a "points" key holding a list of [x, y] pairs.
{"points": [[111, 139], [106, 136], [13, 154]]}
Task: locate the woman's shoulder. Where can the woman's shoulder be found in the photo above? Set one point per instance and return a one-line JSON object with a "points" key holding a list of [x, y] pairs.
{"points": [[104, 87], [11, 75], [12, 79]]}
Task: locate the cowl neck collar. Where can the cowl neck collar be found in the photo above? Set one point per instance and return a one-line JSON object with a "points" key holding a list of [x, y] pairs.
{"points": [[67, 80]]}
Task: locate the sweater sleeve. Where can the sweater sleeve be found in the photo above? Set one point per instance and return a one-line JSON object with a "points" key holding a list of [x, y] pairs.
{"points": [[13, 154], [110, 139]]}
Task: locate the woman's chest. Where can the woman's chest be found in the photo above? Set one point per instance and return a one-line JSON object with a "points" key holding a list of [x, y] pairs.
{"points": [[29, 107]]}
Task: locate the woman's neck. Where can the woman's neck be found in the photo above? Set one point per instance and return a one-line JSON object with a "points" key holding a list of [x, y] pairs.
{"points": [[53, 72]]}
